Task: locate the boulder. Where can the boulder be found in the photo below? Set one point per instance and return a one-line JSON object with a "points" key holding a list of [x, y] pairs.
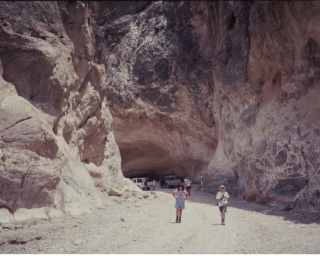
{"points": [[145, 196], [114, 192], [5, 216], [24, 214]]}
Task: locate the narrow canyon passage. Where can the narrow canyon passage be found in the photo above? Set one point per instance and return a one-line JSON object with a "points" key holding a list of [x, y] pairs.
{"points": [[93, 93], [147, 226]]}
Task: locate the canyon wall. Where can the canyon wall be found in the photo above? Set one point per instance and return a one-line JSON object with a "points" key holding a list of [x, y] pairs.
{"points": [[265, 105], [160, 88], [228, 89], [56, 136], [93, 89]]}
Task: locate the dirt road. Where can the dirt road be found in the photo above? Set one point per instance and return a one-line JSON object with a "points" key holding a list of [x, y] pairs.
{"points": [[148, 226]]}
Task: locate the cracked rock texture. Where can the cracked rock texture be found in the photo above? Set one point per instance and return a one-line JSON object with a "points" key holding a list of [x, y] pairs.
{"points": [[56, 138], [225, 88], [228, 89], [265, 104], [160, 86]]}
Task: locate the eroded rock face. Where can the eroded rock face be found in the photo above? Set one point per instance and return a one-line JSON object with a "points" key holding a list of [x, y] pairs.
{"points": [[265, 107], [160, 87], [56, 139], [232, 86], [228, 89]]}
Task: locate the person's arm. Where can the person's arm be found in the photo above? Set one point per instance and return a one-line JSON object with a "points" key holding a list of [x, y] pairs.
{"points": [[217, 198], [186, 195], [228, 200], [173, 193]]}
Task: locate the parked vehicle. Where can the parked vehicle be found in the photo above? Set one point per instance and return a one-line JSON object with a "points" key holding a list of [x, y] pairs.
{"points": [[143, 183], [170, 181], [149, 182]]}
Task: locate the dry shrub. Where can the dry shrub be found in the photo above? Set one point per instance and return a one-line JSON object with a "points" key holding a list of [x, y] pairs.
{"points": [[102, 184], [119, 187], [251, 196], [127, 195], [269, 198], [99, 183], [115, 186]]}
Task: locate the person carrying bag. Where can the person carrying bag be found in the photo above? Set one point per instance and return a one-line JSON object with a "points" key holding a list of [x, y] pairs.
{"points": [[223, 202]]}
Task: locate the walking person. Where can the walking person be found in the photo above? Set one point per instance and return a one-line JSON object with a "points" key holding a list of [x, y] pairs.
{"points": [[145, 184], [201, 181], [188, 185], [180, 195], [154, 184], [223, 202]]}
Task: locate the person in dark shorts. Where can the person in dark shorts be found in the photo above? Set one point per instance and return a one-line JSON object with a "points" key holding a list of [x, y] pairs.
{"points": [[180, 195], [223, 202]]}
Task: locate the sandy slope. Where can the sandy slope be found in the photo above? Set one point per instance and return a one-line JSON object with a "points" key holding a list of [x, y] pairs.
{"points": [[149, 227]]}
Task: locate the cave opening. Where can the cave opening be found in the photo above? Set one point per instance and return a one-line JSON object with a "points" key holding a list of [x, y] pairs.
{"points": [[144, 159]]}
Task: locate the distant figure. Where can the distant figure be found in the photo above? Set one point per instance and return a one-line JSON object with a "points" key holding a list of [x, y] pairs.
{"points": [[201, 181], [188, 182], [144, 183], [154, 184], [223, 202], [180, 195]]}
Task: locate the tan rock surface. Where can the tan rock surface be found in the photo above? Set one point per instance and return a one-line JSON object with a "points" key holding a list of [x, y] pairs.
{"points": [[54, 122]]}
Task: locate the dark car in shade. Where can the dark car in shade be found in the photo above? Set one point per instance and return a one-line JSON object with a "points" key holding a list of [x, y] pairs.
{"points": [[170, 181]]}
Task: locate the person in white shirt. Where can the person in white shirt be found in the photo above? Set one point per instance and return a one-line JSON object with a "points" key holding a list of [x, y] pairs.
{"points": [[154, 184], [223, 202], [187, 183]]}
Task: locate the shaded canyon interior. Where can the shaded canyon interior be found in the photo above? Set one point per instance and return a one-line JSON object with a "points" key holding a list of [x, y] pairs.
{"points": [[91, 92]]}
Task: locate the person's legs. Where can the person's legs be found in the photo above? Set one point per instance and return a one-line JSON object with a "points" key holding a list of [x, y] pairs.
{"points": [[221, 208], [223, 211], [177, 214], [180, 215]]}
